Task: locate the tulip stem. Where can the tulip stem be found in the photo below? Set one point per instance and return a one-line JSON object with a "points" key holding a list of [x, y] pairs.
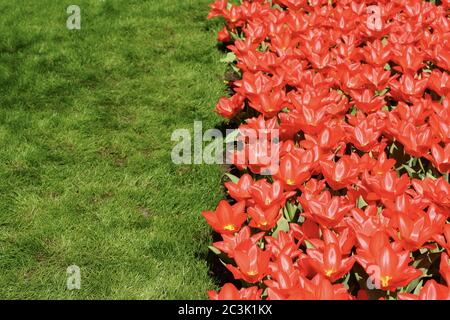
{"points": [[421, 165]]}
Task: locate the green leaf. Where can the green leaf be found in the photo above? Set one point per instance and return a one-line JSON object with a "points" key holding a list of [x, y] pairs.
{"points": [[410, 170], [361, 202], [282, 225], [290, 211], [345, 282], [229, 58], [232, 177], [215, 250], [235, 69], [382, 92], [413, 285], [418, 287], [309, 245]]}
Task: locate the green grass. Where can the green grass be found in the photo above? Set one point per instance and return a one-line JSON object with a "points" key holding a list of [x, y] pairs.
{"points": [[86, 178]]}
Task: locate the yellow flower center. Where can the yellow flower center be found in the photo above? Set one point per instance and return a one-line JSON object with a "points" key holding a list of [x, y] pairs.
{"points": [[290, 182], [229, 227], [329, 272], [385, 281], [252, 273]]}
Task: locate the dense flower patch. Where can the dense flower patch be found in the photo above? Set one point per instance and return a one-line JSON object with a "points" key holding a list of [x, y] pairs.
{"points": [[360, 205]]}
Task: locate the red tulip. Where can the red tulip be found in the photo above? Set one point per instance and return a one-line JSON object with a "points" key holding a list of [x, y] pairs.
{"points": [[435, 190], [387, 267], [341, 174], [223, 35], [444, 267], [441, 157], [226, 219], [430, 291], [265, 194], [238, 241], [293, 172], [283, 244], [444, 238], [240, 191], [319, 288], [252, 264], [230, 292], [229, 107], [264, 219], [325, 209], [439, 82], [330, 262], [386, 185]]}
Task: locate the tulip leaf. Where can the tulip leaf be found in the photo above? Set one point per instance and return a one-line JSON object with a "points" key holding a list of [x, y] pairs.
{"points": [[282, 225], [229, 58], [412, 286], [309, 245], [410, 170], [289, 211], [418, 287], [236, 69], [392, 148], [345, 282], [382, 92], [232, 177], [215, 250], [361, 202]]}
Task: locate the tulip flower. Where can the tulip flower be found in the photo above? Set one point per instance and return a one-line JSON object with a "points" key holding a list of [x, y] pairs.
{"points": [[229, 107], [230, 292], [293, 172], [408, 87], [284, 277], [240, 191], [265, 194], [430, 291], [439, 82], [415, 230], [368, 222], [227, 219], [341, 174], [325, 209], [386, 185], [441, 157], [319, 288], [283, 244], [388, 268], [444, 267], [223, 35], [264, 219], [252, 264], [436, 191], [444, 238], [238, 241], [330, 262], [345, 240]]}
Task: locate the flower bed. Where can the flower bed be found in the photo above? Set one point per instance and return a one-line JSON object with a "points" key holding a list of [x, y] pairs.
{"points": [[358, 206]]}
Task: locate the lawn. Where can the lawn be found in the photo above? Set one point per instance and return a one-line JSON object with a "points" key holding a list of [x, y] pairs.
{"points": [[86, 118]]}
